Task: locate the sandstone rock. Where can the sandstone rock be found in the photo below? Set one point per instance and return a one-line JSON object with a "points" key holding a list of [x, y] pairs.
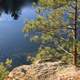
{"points": [[44, 71], [41, 71], [69, 73]]}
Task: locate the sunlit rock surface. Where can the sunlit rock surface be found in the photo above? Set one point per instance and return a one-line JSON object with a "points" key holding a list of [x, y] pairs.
{"points": [[44, 71]]}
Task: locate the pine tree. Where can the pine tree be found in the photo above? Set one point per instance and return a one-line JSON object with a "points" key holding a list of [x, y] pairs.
{"points": [[58, 29]]}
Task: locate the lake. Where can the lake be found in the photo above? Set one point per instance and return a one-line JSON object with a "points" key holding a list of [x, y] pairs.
{"points": [[13, 44]]}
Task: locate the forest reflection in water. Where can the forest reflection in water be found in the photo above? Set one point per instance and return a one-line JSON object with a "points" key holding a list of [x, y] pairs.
{"points": [[13, 14], [13, 7]]}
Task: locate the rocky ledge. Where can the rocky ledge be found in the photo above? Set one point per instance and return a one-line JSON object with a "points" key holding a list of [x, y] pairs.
{"points": [[44, 71]]}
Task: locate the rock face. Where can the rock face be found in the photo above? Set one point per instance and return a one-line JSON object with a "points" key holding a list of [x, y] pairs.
{"points": [[44, 71], [68, 73], [40, 71]]}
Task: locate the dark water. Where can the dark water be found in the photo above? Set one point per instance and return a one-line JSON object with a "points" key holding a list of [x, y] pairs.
{"points": [[13, 44]]}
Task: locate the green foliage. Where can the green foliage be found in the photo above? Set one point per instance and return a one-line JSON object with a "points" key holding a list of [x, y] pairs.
{"points": [[50, 54], [52, 3], [8, 62], [45, 54], [56, 46], [3, 69]]}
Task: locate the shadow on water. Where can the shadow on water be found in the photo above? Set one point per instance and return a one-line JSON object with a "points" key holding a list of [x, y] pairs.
{"points": [[13, 7]]}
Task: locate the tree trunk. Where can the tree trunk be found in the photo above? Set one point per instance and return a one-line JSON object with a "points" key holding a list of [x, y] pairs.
{"points": [[75, 31]]}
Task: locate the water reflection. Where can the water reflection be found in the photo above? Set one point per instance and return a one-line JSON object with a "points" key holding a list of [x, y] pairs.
{"points": [[12, 41], [13, 7]]}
